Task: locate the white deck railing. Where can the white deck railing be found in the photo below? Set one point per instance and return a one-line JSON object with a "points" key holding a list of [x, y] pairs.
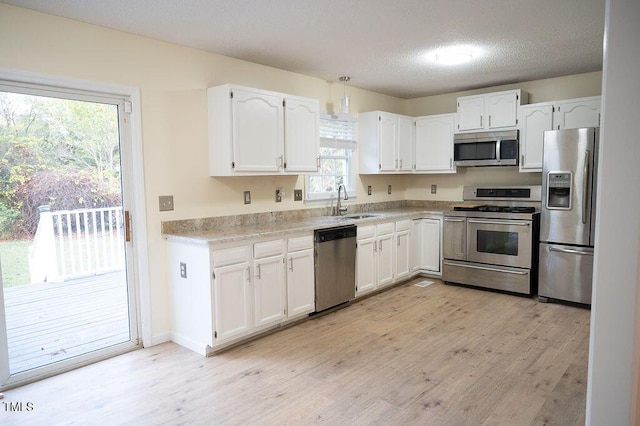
{"points": [[74, 243]]}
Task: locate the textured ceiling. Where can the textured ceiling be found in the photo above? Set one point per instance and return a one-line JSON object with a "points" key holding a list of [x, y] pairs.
{"points": [[383, 45]]}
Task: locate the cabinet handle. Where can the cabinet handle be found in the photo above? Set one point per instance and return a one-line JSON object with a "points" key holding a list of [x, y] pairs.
{"points": [[396, 163], [489, 120], [258, 274], [248, 274], [522, 160], [291, 264], [380, 245], [451, 162], [398, 240], [375, 246], [318, 163], [401, 163], [480, 121]]}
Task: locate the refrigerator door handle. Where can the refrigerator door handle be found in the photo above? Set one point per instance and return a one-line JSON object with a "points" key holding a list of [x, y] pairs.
{"points": [[585, 191], [571, 251]]}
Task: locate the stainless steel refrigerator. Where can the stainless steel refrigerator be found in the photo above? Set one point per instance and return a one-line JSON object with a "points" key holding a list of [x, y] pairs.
{"points": [[567, 219]]}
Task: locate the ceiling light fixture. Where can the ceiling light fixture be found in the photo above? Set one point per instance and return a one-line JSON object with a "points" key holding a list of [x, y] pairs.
{"points": [[454, 55], [344, 102]]}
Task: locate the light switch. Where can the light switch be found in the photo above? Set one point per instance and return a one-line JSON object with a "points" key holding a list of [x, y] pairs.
{"points": [[434, 189], [247, 197], [183, 270], [389, 189], [297, 195], [369, 190]]}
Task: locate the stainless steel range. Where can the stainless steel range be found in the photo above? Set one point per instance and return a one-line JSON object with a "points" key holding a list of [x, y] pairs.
{"points": [[494, 242]]}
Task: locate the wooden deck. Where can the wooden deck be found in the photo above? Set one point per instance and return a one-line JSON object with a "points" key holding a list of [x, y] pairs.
{"points": [[51, 322]]}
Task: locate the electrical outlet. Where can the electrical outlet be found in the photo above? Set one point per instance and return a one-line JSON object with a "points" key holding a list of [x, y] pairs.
{"points": [[165, 202], [247, 197], [183, 270], [297, 195], [434, 189], [369, 190], [389, 189], [279, 193]]}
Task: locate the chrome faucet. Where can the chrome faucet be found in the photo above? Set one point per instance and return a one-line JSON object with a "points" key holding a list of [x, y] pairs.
{"points": [[339, 208]]}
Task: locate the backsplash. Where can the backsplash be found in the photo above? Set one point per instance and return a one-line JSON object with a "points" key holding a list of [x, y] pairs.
{"points": [[210, 223]]}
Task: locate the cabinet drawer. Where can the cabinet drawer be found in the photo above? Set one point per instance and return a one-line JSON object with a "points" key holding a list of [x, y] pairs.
{"points": [[385, 228], [268, 248], [231, 256], [300, 243], [403, 225], [366, 232]]}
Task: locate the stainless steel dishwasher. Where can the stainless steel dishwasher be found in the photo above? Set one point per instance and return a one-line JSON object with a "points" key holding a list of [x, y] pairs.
{"points": [[335, 266]]}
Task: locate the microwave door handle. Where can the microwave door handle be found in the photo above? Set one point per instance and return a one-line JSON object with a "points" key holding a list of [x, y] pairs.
{"points": [[498, 150], [585, 191]]}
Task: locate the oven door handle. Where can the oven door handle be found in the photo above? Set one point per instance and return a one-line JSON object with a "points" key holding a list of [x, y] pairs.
{"points": [[495, 222], [485, 268], [571, 251]]}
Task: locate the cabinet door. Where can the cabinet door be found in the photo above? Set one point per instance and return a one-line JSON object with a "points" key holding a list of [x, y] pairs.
{"points": [[258, 131], [301, 135], [405, 143], [577, 113], [300, 283], [387, 142], [416, 244], [470, 113], [434, 143], [270, 291], [502, 110], [534, 120], [385, 259], [430, 255], [402, 255], [365, 263], [232, 301]]}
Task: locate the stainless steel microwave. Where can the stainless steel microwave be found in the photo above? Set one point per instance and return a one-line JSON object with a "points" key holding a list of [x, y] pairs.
{"points": [[486, 149]]}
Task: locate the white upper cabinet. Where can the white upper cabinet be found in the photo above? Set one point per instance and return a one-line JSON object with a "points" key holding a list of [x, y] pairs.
{"points": [[576, 113], [256, 132], [471, 113], [385, 142], [434, 144], [301, 134], [406, 136], [535, 119], [491, 111]]}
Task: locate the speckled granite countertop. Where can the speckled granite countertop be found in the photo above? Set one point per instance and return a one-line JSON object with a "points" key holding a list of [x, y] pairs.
{"points": [[261, 225]]}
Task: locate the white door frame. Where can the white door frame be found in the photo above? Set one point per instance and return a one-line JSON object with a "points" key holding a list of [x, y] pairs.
{"points": [[132, 178]]}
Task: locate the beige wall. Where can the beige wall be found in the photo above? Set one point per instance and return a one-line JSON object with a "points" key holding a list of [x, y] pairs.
{"points": [[173, 82]]}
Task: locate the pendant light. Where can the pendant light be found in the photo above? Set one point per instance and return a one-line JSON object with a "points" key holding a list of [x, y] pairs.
{"points": [[344, 102]]}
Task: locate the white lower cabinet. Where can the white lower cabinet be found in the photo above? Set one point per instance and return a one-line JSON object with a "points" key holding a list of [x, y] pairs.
{"points": [[232, 297], [300, 277], [427, 240], [270, 286], [403, 250], [383, 256], [223, 294]]}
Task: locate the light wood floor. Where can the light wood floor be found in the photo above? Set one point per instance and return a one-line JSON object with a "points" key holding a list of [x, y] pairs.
{"points": [[440, 355]]}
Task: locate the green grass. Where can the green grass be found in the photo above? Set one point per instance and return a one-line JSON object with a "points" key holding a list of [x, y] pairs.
{"points": [[14, 257]]}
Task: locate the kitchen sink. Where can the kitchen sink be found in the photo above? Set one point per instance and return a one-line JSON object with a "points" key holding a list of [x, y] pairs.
{"points": [[359, 216]]}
